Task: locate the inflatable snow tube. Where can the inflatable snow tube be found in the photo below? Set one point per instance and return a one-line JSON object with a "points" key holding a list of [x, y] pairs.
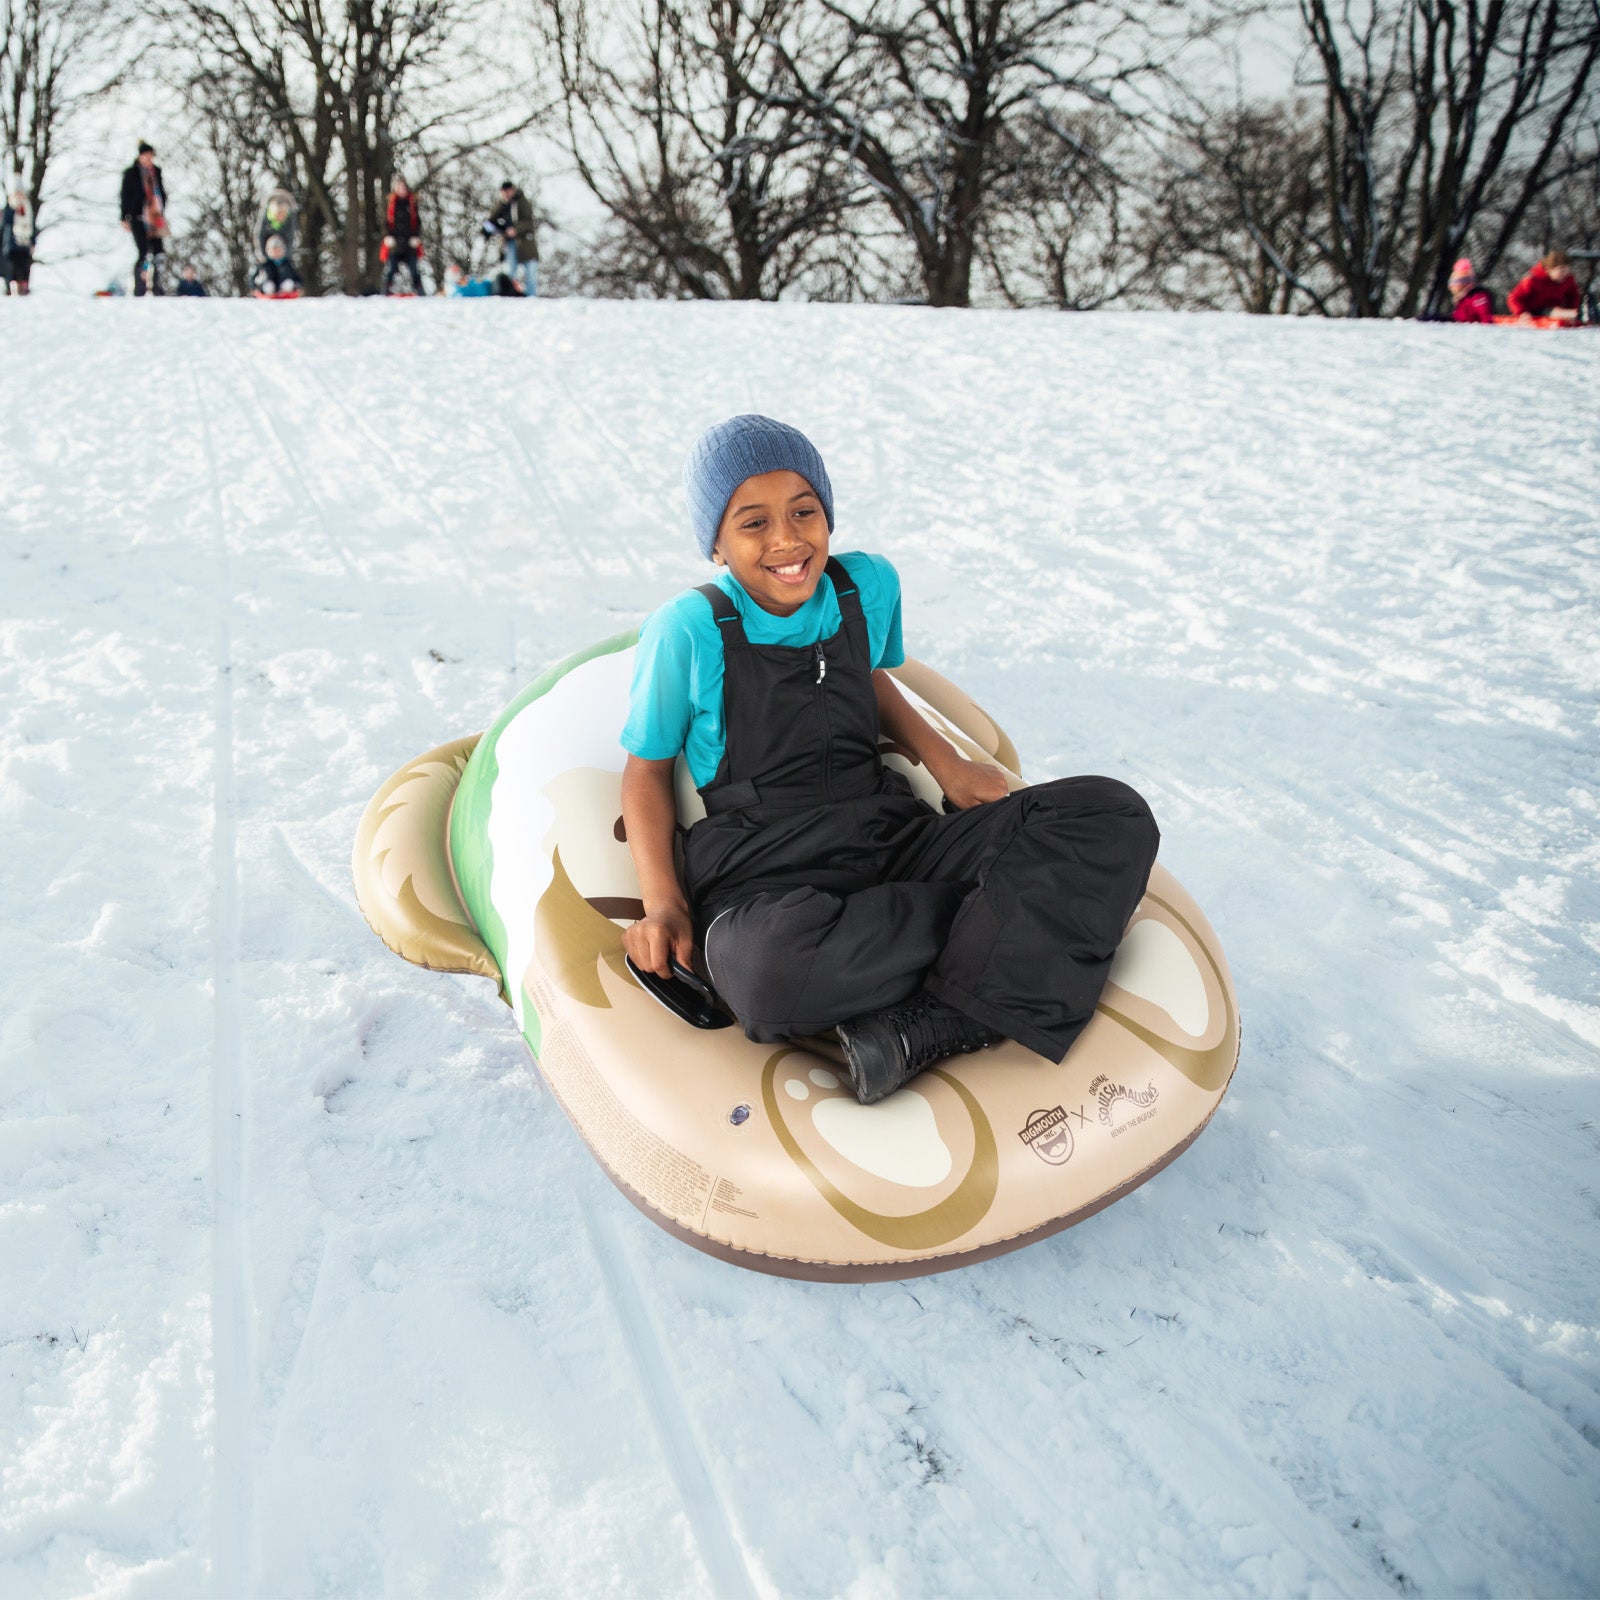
{"points": [[506, 856]]}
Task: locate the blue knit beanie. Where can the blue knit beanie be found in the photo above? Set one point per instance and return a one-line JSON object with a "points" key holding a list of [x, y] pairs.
{"points": [[742, 447]]}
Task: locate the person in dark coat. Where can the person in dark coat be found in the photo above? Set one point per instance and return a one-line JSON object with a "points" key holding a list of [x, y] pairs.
{"points": [[16, 243], [402, 244], [820, 890], [189, 284], [1549, 290], [144, 215], [514, 222]]}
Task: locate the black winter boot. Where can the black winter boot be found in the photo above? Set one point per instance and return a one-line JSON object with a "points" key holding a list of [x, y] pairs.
{"points": [[887, 1048]]}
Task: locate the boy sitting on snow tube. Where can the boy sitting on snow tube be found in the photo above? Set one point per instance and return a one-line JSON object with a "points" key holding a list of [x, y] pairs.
{"points": [[823, 892]]}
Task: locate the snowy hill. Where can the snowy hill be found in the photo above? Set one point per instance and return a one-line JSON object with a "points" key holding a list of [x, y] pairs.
{"points": [[308, 1287]]}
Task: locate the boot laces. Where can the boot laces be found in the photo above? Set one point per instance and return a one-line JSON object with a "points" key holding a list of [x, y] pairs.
{"points": [[930, 1030]]}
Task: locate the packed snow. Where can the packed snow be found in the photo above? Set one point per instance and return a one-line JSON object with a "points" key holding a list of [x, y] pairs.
{"points": [[308, 1286]]}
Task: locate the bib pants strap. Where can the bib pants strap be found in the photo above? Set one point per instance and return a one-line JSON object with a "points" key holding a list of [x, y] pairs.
{"points": [[844, 591], [726, 613], [749, 685]]}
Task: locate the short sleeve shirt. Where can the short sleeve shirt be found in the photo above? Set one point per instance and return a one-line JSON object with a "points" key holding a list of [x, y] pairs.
{"points": [[676, 702]]}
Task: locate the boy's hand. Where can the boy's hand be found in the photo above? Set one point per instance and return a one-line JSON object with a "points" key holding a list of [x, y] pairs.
{"points": [[662, 936], [970, 783]]}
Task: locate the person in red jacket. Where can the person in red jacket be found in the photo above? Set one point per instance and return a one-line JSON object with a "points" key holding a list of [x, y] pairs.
{"points": [[402, 243], [1549, 290], [1469, 303]]}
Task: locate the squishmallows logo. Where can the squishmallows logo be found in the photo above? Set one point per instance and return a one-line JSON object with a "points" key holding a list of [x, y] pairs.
{"points": [[1108, 1096], [1049, 1135]]}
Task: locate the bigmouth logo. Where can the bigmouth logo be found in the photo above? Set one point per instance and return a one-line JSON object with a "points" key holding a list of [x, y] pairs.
{"points": [[1049, 1135]]}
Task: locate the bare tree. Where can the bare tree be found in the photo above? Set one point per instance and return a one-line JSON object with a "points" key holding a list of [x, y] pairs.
{"points": [[1431, 110], [336, 99], [52, 65], [936, 102], [253, 78], [232, 157], [1073, 232], [1566, 210], [1236, 206], [683, 124], [462, 191]]}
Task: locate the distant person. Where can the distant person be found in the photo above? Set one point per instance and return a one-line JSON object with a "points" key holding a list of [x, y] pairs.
{"points": [[189, 284], [277, 222], [16, 243], [460, 285], [144, 215], [275, 276], [1469, 302], [402, 245], [1549, 290], [513, 221]]}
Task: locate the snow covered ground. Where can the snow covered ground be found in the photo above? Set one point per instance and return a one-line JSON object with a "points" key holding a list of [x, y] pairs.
{"points": [[307, 1287]]}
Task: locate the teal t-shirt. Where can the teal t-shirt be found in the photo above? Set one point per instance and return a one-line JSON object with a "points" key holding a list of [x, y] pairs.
{"points": [[676, 702]]}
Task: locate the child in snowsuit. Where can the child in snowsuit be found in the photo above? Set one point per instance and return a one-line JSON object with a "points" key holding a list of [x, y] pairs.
{"points": [[276, 222], [1549, 290], [822, 892], [1468, 302], [403, 242], [458, 285], [276, 275]]}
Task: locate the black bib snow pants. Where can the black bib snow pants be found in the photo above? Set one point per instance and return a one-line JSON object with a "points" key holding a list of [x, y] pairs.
{"points": [[823, 888]]}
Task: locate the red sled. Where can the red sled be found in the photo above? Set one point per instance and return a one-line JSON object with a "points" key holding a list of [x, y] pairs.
{"points": [[1536, 322], [290, 294]]}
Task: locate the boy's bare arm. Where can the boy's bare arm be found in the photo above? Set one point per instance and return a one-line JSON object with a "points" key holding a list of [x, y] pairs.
{"points": [[965, 783], [650, 819]]}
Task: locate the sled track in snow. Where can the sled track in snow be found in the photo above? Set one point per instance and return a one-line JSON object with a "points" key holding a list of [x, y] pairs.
{"points": [[232, 1505], [527, 463], [704, 1507], [702, 1503], [449, 573], [707, 1511], [353, 568]]}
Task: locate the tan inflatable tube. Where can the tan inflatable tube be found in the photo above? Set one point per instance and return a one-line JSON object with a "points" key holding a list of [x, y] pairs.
{"points": [[761, 1155]]}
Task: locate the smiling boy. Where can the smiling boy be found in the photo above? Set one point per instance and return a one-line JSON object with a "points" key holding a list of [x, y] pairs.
{"points": [[823, 892]]}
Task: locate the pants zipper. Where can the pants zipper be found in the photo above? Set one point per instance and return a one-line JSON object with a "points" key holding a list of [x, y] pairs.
{"points": [[827, 726]]}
